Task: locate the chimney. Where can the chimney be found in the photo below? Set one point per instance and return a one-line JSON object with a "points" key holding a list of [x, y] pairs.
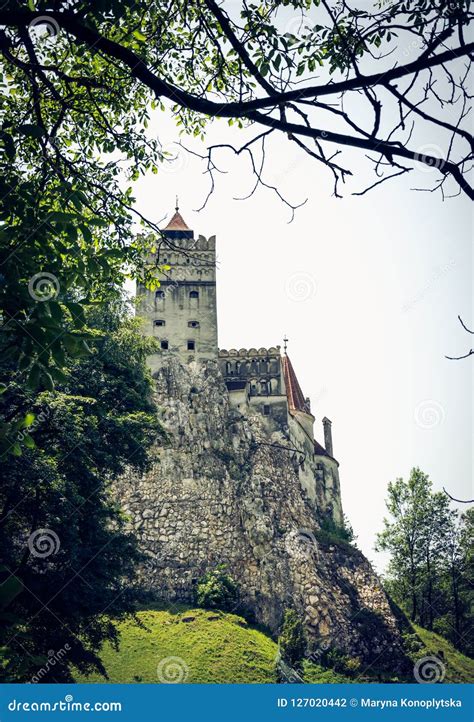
{"points": [[327, 435]]}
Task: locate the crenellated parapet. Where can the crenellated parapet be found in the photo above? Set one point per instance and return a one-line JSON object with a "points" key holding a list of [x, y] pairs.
{"points": [[258, 369], [250, 352]]}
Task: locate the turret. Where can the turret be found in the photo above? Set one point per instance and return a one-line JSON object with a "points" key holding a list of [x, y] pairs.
{"points": [[328, 435]]}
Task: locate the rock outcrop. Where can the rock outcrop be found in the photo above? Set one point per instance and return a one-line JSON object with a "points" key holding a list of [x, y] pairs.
{"points": [[226, 489]]}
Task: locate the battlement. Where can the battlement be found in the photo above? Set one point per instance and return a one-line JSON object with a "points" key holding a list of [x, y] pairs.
{"points": [[188, 244], [251, 352]]}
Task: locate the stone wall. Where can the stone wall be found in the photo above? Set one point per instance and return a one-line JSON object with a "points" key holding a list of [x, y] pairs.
{"points": [[227, 488]]}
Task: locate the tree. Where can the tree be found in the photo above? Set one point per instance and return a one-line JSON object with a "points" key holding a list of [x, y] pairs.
{"points": [[67, 558], [403, 537], [431, 557], [292, 639], [211, 62], [81, 79], [217, 590]]}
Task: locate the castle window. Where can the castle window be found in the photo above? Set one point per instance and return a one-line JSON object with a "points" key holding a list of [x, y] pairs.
{"points": [[159, 322], [266, 410], [191, 345], [228, 368], [193, 324], [159, 299], [264, 388], [237, 367], [194, 299], [164, 345]]}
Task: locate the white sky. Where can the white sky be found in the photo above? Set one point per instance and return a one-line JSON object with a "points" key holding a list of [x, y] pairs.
{"points": [[368, 290]]}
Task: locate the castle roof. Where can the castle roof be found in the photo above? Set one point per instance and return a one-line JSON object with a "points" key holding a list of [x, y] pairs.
{"points": [[177, 227], [177, 223], [295, 396]]}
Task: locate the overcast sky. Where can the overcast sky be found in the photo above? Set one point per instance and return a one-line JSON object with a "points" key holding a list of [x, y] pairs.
{"points": [[368, 290]]}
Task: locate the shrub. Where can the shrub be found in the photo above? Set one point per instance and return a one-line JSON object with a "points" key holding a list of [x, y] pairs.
{"points": [[342, 532], [217, 590], [292, 638]]}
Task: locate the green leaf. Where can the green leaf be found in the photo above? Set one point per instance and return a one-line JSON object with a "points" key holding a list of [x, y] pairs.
{"points": [[29, 441], [47, 380], [28, 420], [87, 235]]}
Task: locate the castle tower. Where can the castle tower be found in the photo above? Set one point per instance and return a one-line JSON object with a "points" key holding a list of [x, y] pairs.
{"points": [[182, 313]]}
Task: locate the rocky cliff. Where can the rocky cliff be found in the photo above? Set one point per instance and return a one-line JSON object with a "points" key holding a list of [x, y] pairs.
{"points": [[225, 489]]}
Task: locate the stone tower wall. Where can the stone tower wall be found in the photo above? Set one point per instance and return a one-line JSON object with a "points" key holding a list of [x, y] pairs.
{"points": [[182, 312]]}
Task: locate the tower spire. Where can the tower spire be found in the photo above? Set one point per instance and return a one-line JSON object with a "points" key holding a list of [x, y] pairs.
{"points": [[285, 343], [177, 205]]}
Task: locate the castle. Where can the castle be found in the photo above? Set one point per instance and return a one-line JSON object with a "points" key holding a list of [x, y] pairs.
{"points": [[239, 478], [182, 316]]}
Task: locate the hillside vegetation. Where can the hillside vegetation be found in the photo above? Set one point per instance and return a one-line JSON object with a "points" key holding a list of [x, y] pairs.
{"points": [[459, 668], [188, 645], [179, 644]]}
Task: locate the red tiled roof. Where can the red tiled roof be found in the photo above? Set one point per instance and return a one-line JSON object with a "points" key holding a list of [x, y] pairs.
{"points": [[177, 223], [296, 400]]}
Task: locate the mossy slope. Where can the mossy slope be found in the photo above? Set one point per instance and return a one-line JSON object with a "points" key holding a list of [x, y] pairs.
{"points": [[207, 646]]}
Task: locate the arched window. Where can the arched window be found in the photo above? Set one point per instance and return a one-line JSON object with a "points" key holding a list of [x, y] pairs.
{"points": [[264, 387], [159, 300], [237, 367], [193, 299], [228, 368]]}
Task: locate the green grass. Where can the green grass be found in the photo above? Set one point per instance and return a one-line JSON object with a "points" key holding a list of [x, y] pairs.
{"points": [[315, 674], [459, 668], [212, 647]]}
